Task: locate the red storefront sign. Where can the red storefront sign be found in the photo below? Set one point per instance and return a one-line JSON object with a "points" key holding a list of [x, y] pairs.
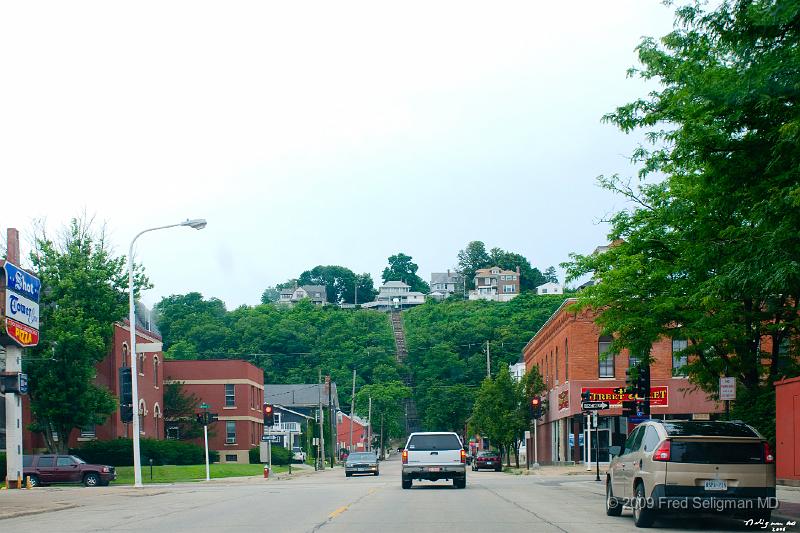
{"points": [[24, 335], [658, 395]]}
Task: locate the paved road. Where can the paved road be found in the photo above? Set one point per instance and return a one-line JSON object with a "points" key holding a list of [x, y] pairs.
{"points": [[328, 502]]}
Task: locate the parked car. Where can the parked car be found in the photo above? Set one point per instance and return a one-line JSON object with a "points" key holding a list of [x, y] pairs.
{"points": [[487, 460], [434, 456], [361, 463], [47, 469], [689, 466], [298, 454]]}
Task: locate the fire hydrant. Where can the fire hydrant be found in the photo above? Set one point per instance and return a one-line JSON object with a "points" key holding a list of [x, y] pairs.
{"points": [[266, 471]]}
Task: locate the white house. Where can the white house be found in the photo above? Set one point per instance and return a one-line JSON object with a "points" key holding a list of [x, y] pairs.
{"points": [[550, 288], [395, 295]]}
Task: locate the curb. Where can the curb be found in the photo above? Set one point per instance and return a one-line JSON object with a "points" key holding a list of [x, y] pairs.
{"points": [[28, 512]]}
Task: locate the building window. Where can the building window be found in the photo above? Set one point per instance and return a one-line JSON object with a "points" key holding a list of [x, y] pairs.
{"points": [[156, 416], [633, 360], [88, 432], [231, 458], [173, 433], [230, 432], [155, 372], [125, 361], [783, 355], [142, 412], [679, 360], [230, 397], [556, 365], [566, 361], [544, 291], [141, 364], [508, 288], [605, 359]]}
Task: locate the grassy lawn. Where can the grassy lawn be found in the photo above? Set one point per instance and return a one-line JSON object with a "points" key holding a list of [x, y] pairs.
{"points": [[173, 473]]}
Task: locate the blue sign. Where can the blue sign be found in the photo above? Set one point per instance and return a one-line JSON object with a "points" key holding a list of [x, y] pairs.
{"points": [[23, 383], [22, 283], [22, 310], [638, 419]]}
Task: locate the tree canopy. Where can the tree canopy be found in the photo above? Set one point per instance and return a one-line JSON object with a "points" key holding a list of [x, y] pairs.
{"points": [[401, 268], [474, 256], [84, 293], [340, 283], [708, 250]]}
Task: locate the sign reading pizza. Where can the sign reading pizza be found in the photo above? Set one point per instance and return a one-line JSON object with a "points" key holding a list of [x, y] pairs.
{"points": [[21, 305], [659, 396]]}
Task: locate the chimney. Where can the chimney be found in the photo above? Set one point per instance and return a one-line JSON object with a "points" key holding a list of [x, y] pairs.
{"points": [[448, 272], [517, 271]]}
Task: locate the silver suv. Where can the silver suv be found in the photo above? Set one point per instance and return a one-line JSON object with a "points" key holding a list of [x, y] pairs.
{"points": [[685, 466]]}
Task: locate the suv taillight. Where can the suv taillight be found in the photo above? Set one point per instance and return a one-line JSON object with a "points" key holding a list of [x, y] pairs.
{"points": [[463, 456], [405, 456], [768, 457], [662, 453]]}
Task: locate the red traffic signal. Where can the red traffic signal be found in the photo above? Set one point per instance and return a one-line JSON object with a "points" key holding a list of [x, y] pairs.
{"points": [[269, 415], [536, 401]]}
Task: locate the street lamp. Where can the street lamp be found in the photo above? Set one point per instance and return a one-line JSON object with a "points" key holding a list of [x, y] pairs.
{"points": [[198, 223]]}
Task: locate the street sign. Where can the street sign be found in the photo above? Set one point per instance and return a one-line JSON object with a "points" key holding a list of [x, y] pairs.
{"points": [[594, 406], [727, 388], [204, 405], [23, 383], [270, 438], [149, 347], [22, 305]]}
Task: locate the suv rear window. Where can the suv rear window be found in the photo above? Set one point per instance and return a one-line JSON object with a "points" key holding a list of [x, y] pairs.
{"points": [[732, 453], [434, 442], [710, 429]]}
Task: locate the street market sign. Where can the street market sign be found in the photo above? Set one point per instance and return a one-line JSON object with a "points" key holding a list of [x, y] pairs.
{"points": [[22, 305], [659, 395]]}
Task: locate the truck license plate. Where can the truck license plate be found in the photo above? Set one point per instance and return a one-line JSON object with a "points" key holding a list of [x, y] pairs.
{"points": [[433, 469], [715, 484]]}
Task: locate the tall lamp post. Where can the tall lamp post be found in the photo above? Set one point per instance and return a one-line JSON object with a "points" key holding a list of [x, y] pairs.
{"points": [[198, 223]]}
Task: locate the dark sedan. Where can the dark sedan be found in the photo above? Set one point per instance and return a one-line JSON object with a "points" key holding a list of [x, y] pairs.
{"points": [[487, 460], [361, 463]]}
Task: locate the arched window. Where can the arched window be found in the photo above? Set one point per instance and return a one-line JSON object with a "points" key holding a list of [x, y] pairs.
{"points": [[157, 417], [125, 361], [155, 371], [142, 413], [606, 360], [141, 364]]}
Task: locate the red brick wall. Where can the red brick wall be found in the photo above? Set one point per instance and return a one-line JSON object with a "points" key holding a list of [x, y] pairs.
{"points": [[206, 380], [787, 430]]}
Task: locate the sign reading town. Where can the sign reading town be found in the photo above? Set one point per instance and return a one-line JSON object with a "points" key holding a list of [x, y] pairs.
{"points": [[22, 305], [614, 396]]}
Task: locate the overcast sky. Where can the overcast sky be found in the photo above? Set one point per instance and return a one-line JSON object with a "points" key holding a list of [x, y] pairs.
{"points": [[317, 133]]}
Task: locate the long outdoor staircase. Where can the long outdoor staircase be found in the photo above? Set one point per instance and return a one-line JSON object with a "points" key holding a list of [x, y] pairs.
{"points": [[410, 407]]}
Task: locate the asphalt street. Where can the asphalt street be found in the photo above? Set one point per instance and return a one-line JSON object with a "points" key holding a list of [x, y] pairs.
{"points": [[329, 502]]}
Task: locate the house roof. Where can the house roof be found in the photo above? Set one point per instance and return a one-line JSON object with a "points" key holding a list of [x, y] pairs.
{"points": [[395, 284], [315, 288], [444, 277], [283, 408], [488, 272], [549, 284], [299, 395]]}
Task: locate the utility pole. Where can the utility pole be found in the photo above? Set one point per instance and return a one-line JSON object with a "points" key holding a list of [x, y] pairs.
{"points": [[321, 442], [352, 408], [334, 436], [382, 455], [369, 425], [488, 362], [356, 298]]}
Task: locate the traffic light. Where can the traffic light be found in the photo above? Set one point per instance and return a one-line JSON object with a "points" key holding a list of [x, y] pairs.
{"points": [[269, 415], [643, 389], [201, 419], [586, 396], [125, 395], [629, 408], [536, 407], [630, 380]]}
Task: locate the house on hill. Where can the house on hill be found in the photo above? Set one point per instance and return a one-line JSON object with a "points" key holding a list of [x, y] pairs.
{"points": [[316, 293], [495, 284]]}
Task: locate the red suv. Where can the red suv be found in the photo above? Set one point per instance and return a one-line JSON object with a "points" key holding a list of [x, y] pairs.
{"points": [[47, 469], [487, 460]]}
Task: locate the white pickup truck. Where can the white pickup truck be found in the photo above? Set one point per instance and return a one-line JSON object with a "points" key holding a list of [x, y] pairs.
{"points": [[434, 456]]}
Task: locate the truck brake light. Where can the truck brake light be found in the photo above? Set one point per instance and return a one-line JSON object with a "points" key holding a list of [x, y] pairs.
{"points": [[405, 457], [463, 456]]}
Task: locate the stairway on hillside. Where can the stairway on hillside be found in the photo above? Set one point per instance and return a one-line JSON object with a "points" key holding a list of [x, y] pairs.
{"points": [[409, 406]]}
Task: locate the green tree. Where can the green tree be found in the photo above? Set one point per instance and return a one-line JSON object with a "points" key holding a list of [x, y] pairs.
{"points": [[388, 400], [498, 412], [179, 411], [709, 253], [471, 258], [340, 283], [550, 275], [83, 294], [272, 293], [530, 277], [401, 268]]}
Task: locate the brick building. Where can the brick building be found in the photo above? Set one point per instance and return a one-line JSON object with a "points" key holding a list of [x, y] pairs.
{"points": [[235, 390], [151, 392], [360, 433], [568, 351]]}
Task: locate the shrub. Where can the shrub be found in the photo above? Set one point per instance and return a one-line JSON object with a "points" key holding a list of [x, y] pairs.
{"points": [[119, 452], [280, 455], [2, 466], [255, 455]]}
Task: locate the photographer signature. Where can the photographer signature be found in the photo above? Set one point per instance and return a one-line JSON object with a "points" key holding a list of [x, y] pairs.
{"points": [[776, 526]]}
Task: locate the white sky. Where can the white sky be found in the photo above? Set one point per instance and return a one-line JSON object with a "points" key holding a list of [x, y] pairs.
{"points": [[317, 132]]}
